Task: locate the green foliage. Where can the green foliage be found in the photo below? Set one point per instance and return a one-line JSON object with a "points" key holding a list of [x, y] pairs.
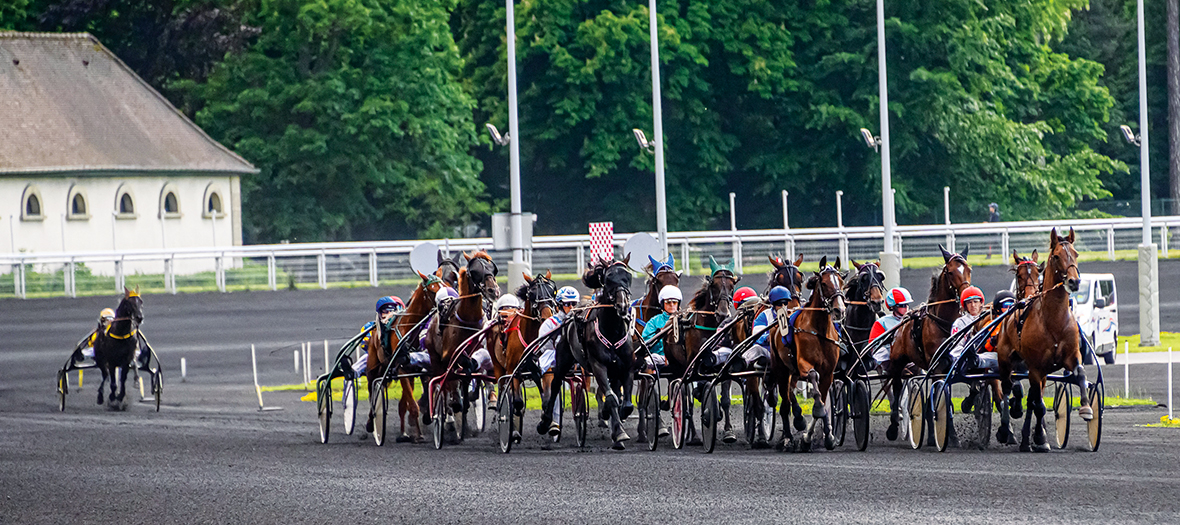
{"points": [[14, 14], [353, 112]]}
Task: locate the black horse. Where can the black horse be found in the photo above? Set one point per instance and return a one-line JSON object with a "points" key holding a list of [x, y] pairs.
{"points": [[865, 291], [601, 342], [115, 346]]}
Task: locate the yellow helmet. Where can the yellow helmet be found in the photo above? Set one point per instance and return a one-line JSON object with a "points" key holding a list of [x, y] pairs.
{"points": [[107, 313]]}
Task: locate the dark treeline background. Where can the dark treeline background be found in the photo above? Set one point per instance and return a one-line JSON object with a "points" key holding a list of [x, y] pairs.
{"points": [[366, 116]]}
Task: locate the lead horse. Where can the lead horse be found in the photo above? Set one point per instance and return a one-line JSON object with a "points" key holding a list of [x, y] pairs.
{"points": [[115, 346]]}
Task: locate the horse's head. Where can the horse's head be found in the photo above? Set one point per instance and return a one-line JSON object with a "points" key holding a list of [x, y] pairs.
{"points": [[616, 286], [787, 275], [481, 272], [430, 286], [592, 276], [956, 273], [827, 287], [718, 291], [539, 294], [1063, 261], [448, 269], [870, 284], [1028, 274], [130, 306]]}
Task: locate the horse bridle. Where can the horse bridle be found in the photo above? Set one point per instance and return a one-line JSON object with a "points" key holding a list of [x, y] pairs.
{"points": [[831, 299], [544, 295], [791, 284], [1061, 274], [874, 281], [954, 292], [728, 298], [626, 291]]}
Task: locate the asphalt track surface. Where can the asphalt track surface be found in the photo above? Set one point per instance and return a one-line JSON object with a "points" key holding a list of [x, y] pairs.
{"points": [[209, 455]]}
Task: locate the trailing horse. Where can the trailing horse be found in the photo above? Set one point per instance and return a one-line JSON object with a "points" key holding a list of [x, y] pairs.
{"points": [[786, 274], [866, 302], [1045, 337], [115, 346], [810, 349], [916, 340], [507, 343], [601, 342], [660, 275]]}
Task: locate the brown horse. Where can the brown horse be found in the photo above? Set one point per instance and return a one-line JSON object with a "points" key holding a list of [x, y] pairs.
{"points": [[916, 341], [507, 342], [421, 302], [1045, 337], [1028, 274], [786, 274], [813, 354]]}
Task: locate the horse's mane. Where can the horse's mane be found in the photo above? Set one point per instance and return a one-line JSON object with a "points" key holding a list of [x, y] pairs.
{"points": [[522, 293], [481, 255], [700, 300], [933, 285]]}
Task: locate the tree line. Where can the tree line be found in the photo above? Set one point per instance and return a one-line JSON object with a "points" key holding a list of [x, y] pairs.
{"points": [[365, 117]]}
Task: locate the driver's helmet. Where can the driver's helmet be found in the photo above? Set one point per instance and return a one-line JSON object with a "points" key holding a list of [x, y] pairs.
{"points": [[1003, 300], [444, 294], [779, 294], [507, 301], [898, 297], [568, 295], [742, 295], [107, 314], [387, 303], [972, 293], [670, 293]]}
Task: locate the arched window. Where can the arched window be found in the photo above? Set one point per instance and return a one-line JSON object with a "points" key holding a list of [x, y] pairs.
{"points": [[77, 207], [214, 205], [169, 202], [124, 203], [31, 209]]}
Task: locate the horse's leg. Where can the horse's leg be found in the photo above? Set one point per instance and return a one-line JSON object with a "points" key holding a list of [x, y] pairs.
{"points": [[1036, 395], [727, 389], [628, 387], [113, 371], [1084, 409], [552, 393], [819, 410], [122, 371], [788, 398], [610, 405], [102, 367], [796, 407], [371, 376], [1000, 392], [895, 386], [1033, 392]]}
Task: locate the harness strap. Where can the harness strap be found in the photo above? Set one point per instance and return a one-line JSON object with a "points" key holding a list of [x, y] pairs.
{"points": [[604, 340]]}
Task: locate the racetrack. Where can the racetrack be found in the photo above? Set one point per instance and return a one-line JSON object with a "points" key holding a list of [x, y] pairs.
{"points": [[210, 456]]}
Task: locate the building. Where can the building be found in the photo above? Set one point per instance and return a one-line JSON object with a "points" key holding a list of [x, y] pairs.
{"points": [[92, 159]]}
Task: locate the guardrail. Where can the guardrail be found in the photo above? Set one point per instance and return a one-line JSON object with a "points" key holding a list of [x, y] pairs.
{"points": [[358, 263]]}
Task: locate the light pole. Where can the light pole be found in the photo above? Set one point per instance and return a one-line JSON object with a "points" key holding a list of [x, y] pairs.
{"points": [[839, 209], [946, 204], [513, 147], [890, 262], [657, 116]]}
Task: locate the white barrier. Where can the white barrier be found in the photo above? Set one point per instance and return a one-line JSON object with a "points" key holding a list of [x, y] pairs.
{"points": [[258, 388]]}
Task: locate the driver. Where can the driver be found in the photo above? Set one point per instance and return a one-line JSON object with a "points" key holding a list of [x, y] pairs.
{"points": [[567, 298], [386, 308], [898, 301], [971, 301], [85, 348], [670, 298], [759, 354]]}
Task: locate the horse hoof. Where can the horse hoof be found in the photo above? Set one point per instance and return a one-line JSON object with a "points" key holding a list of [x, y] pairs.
{"points": [[403, 439], [968, 403], [369, 425], [800, 424], [729, 437], [1014, 409], [554, 429], [515, 436], [1087, 413], [891, 432], [1025, 448], [760, 444], [603, 424], [626, 410], [518, 404], [1043, 447], [618, 445], [803, 445], [1003, 435], [621, 436], [829, 442], [542, 426], [100, 399]]}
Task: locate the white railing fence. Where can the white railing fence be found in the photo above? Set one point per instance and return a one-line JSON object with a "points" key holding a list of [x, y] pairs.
{"points": [[274, 266]]}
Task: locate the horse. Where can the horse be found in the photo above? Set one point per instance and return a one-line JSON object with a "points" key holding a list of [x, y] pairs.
{"points": [[660, 275], [1044, 336], [866, 299], [786, 274], [813, 354], [448, 269], [600, 341], [507, 343], [115, 346], [916, 340], [1027, 273], [386, 338]]}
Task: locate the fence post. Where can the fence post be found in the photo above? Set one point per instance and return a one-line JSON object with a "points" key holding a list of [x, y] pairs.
{"points": [[685, 262], [899, 256], [373, 268], [950, 241], [270, 271], [168, 287], [322, 269], [580, 258], [737, 254], [72, 289], [221, 273], [791, 248], [20, 280], [1164, 240], [1004, 244], [844, 248], [1110, 241], [119, 284]]}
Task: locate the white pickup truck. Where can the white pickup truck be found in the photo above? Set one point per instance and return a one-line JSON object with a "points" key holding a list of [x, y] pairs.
{"points": [[1095, 306]]}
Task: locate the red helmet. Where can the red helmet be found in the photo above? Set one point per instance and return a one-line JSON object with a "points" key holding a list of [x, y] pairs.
{"points": [[970, 293], [742, 295]]}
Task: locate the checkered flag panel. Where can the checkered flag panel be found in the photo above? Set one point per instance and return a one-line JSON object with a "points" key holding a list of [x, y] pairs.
{"points": [[602, 241]]}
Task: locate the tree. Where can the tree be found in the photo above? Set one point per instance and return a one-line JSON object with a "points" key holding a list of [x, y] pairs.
{"points": [[353, 112]]}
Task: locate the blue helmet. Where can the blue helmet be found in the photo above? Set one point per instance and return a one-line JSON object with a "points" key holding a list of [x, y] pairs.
{"points": [[779, 294], [385, 302]]}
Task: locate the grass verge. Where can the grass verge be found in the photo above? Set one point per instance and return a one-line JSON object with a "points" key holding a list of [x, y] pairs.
{"points": [[1167, 339]]}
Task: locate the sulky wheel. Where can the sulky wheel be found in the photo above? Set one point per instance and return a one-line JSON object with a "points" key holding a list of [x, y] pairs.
{"points": [[916, 405], [983, 416], [380, 411], [504, 419], [323, 399], [63, 388], [481, 408], [769, 411], [710, 416], [941, 402], [838, 405], [348, 402], [859, 408], [580, 407], [566, 394], [1062, 402], [677, 399], [1097, 404], [438, 414], [749, 417], [158, 387], [652, 411]]}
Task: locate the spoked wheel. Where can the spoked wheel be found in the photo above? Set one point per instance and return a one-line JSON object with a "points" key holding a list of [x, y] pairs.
{"points": [[518, 424], [380, 411], [710, 416], [769, 411], [504, 418], [158, 387], [323, 395], [917, 408], [481, 408], [983, 416], [348, 400], [942, 413], [838, 405], [859, 412], [652, 410], [459, 417], [580, 406], [565, 394], [63, 388], [677, 400], [438, 415], [749, 417], [1097, 404], [1062, 402]]}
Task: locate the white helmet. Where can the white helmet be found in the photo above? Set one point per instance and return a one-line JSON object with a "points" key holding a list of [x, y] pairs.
{"points": [[669, 293], [568, 294], [445, 293], [507, 301]]}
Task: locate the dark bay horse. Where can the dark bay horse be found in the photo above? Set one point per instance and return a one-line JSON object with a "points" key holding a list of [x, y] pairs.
{"points": [[813, 356], [600, 341], [1028, 274], [916, 341], [448, 269], [1044, 336], [865, 291], [507, 343], [786, 274], [385, 340], [115, 346]]}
